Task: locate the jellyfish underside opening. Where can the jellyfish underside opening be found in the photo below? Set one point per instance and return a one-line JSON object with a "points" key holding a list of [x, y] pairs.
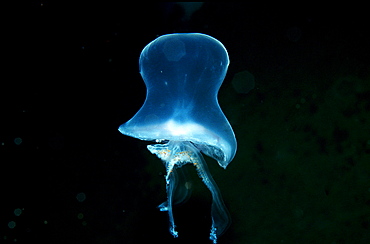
{"points": [[176, 154], [182, 74]]}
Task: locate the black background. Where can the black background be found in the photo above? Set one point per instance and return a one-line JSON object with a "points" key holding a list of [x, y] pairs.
{"points": [[70, 78]]}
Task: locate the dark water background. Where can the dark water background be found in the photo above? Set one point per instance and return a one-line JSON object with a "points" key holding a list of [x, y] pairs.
{"points": [[70, 78]]}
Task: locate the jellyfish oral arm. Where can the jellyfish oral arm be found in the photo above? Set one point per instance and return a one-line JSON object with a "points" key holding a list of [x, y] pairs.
{"points": [[169, 160], [175, 154], [167, 205]]}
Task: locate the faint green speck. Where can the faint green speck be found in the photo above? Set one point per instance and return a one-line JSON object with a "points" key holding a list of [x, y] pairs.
{"points": [[80, 216]]}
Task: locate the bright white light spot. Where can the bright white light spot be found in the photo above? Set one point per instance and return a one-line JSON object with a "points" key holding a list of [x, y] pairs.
{"points": [[183, 129]]}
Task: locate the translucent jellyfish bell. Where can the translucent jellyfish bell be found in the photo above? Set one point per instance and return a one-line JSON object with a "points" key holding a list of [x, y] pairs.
{"points": [[183, 73]]}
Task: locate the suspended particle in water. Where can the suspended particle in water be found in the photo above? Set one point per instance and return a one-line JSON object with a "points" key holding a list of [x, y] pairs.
{"points": [[17, 211], [11, 224], [81, 197], [243, 82], [18, 140], [80, 216]]}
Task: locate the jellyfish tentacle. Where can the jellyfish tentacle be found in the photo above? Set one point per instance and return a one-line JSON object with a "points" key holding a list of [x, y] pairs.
{"points": [[171, 181], [220, 216]]}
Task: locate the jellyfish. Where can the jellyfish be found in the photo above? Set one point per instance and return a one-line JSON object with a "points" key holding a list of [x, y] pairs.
{"points": [[183, 73]]}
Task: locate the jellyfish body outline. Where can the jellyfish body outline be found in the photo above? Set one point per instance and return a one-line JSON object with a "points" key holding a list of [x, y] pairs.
{"points": [[183, 73]]}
